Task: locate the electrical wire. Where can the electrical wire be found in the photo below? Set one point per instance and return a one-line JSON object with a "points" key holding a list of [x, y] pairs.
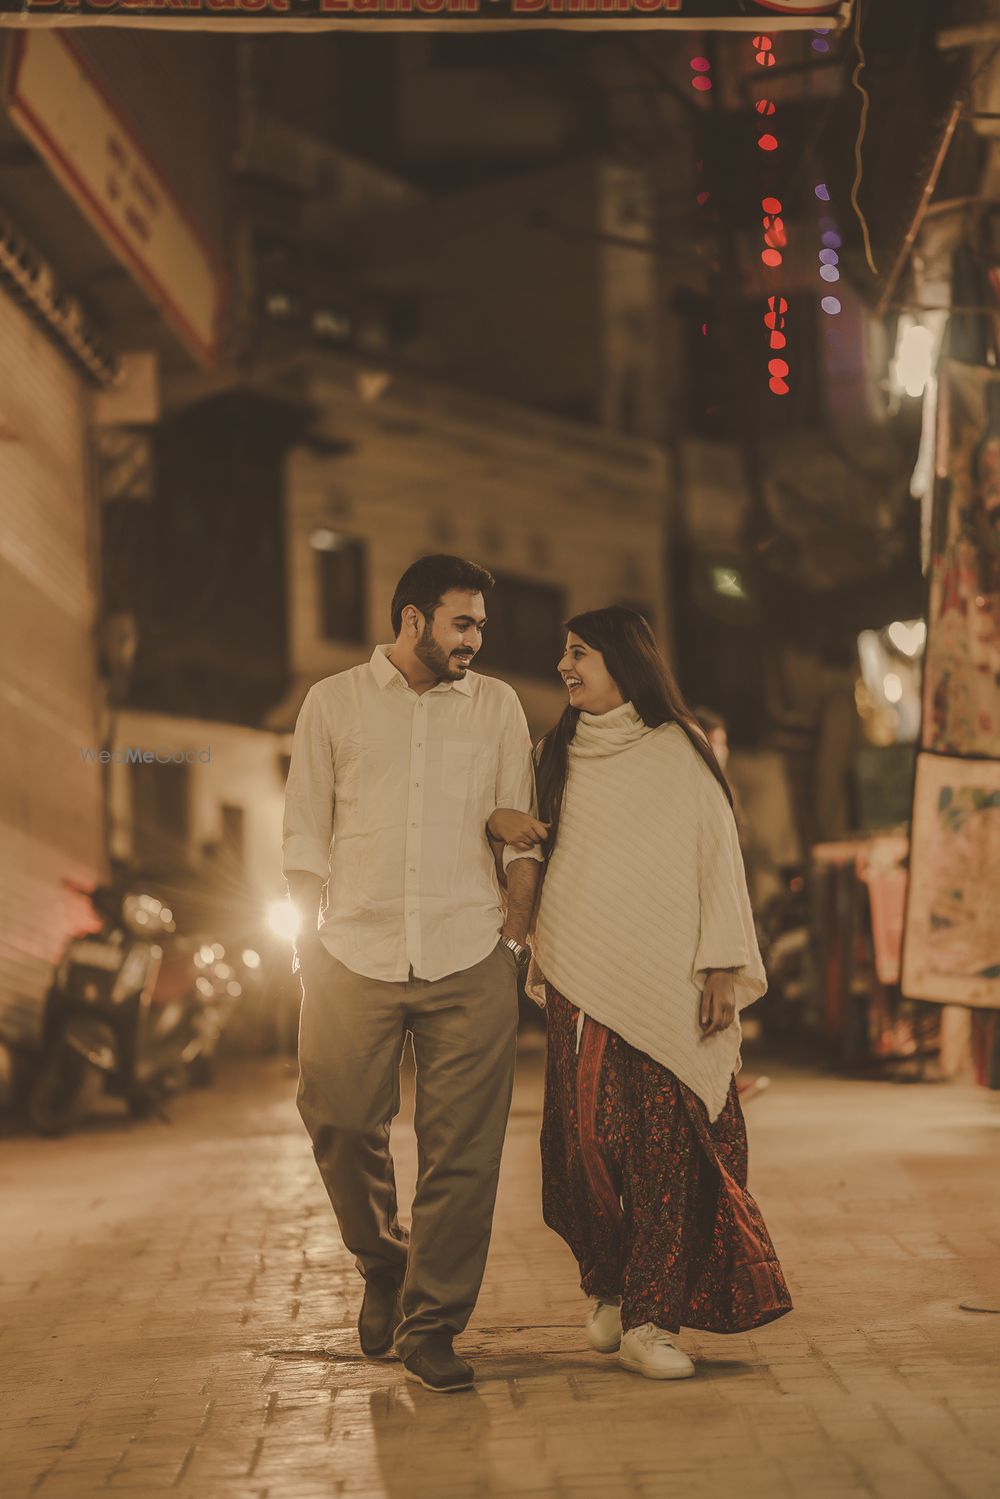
{"points": [[856, 83]]}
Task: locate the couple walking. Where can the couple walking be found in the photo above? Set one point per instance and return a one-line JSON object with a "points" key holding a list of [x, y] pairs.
{"points": [[627, 872]]}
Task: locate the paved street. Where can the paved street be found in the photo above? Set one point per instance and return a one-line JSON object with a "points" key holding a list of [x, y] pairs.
{"points": [[178, 1316]]}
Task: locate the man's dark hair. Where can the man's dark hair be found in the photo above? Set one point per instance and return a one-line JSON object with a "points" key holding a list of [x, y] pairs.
{"points": [[427, 579]]}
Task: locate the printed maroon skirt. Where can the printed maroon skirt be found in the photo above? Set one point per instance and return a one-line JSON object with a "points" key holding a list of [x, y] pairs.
{"points": [[651, 1197]]}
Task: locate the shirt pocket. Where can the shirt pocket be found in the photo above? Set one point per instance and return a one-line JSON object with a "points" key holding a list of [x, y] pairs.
{"points": [[468, 768]]}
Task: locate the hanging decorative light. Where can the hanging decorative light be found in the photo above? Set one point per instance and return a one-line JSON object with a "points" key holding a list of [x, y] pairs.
{"points": [[775, 236], [829, 254], [701, 70]]}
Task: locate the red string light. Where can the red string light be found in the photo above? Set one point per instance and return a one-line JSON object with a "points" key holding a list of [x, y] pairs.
{"points": [[701, 68], [764, 50], [775, 236]]}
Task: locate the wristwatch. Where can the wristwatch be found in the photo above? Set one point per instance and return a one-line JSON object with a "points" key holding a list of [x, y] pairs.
{"points": [[522, 953]]}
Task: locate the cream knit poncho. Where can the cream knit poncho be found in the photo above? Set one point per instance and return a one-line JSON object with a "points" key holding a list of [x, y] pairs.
{"points": [[644, 892]]}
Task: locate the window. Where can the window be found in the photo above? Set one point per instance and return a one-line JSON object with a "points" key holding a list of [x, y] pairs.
{"points": [[525, 634], [161, 799], [232, 850], [343, 586]]}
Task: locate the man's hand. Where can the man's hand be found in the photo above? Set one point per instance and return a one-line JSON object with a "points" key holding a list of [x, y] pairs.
{"points": [[517, 829], [718, 1002]]}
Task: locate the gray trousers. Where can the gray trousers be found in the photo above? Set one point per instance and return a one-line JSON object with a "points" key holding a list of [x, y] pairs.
{"points": [[351, 1035]]}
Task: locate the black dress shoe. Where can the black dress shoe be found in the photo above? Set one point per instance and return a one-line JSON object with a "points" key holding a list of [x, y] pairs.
{"points": [[380, 1315], [434, 1364]]}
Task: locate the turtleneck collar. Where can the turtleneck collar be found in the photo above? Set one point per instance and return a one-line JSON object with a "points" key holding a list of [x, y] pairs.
{"points": [[600, 734]]}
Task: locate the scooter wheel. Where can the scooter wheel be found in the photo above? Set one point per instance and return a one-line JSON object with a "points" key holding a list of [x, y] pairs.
{"points": [[55, 1102]]}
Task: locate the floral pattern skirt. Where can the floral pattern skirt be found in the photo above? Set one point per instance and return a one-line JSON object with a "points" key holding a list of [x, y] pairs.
{"points": [[651, 1197]]}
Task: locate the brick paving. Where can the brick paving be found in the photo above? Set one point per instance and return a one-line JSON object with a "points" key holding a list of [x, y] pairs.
{"points": [[177, 1317]]}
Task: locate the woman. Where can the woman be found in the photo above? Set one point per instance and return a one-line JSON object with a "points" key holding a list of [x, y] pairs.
{"points": [[644, 951]]}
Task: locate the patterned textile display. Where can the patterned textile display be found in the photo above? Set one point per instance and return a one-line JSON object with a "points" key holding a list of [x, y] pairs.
{"points": [[961, 712], [951, 947], [651, 1197]]}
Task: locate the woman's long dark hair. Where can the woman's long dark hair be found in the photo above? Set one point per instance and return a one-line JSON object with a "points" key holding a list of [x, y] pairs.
{"points": [[644, 679]]}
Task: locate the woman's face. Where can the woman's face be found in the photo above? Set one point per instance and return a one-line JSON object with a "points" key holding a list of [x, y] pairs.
{"points": [[588, 681]]}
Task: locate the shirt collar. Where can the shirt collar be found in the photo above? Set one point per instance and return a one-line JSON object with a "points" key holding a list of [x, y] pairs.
{"points": [[385, 673]]}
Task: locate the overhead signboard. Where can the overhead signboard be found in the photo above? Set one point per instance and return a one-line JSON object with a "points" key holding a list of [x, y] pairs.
{"points": [[449, 15], [62, 107]]}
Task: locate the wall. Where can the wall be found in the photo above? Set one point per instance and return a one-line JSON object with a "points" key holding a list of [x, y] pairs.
{"points": [[244, 771], [50, 798], [431, 469]]}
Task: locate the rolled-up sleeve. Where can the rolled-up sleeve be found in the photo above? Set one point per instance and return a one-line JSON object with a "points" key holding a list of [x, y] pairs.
{"points": [[309, 794], [727, 936], [516, 774]]}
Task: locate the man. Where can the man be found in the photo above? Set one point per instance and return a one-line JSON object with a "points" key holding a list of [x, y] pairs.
{"points": [[402, 761]]}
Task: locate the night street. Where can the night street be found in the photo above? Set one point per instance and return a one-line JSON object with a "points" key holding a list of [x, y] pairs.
{"points": [[500, 503], [179, 1316]]}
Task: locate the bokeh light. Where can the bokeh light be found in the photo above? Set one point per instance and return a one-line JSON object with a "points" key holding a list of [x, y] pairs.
{"points": [[830, 305], [700, 67], [768, 143], [764, 51], [822, 192]]}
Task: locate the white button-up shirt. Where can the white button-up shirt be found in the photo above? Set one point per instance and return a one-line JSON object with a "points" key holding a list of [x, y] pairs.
{"points": [[403, 784]]}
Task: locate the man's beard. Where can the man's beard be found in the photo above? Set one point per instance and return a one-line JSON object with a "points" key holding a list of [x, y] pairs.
{"points": [[445, 667]]}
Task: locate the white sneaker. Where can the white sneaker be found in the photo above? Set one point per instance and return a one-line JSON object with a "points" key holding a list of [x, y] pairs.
{"points": [[604, 1325], [650, 1351]]}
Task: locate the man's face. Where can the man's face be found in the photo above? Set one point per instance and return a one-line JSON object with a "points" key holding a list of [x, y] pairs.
{"points": [[452, 637]]}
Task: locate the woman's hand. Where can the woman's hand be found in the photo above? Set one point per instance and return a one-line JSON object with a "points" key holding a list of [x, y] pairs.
{"points": [[718, 1002], [517, 829]]}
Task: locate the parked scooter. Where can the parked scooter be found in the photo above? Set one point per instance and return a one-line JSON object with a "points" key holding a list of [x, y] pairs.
{"points": [[133, 1006]]}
